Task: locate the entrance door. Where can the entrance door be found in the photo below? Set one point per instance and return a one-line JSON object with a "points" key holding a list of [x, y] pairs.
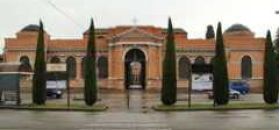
{"points": [[135, 65]]}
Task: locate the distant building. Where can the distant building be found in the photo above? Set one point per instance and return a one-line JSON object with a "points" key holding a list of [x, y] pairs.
{"points": [[119, 46]]}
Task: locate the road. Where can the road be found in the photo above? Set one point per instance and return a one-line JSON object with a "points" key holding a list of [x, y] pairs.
{"points": [[140, 116], [210, 120]]}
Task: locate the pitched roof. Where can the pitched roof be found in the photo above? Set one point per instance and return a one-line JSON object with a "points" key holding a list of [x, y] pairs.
{"points": [[137, 32], [175, 30], [66, 44], [144, 27], [202, 44], [97, 31]]}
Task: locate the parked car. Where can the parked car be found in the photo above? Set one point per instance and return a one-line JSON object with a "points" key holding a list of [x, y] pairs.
{"points": [[55, 88], [233, 94], [241, 87], [53, 92]]}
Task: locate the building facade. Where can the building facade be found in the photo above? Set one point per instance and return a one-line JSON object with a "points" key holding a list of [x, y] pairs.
{"points": [[132, 56]]}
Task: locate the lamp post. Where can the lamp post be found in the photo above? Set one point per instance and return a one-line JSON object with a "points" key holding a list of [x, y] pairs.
{"points": [[190, 85]]}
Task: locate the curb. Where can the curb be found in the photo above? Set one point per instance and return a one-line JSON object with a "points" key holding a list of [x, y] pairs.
{"points": [[212, 109], [54, 109]]}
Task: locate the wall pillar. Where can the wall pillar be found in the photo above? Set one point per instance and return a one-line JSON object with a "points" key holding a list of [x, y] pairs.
{"points": [[78, 68]]}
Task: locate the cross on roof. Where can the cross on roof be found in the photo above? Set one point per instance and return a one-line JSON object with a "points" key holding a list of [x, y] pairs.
{"points": [[134, 20]]}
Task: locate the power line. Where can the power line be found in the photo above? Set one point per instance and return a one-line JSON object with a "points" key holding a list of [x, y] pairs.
{"points": [[62, 12]]}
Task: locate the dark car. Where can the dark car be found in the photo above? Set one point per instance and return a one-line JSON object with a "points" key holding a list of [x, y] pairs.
{"points": [[241, 87], [55, 88], [53, 92]]}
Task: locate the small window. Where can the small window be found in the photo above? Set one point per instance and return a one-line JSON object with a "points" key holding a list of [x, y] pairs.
{"points": [[184, 68], [246, 67], [71, 67], [25, 64], [102, 65]]}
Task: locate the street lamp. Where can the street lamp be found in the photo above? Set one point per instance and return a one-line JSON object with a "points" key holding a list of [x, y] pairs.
{"points": [[190, 85]]}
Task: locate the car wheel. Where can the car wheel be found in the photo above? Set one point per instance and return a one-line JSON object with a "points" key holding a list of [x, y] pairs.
{"points": [[236, 96], [58, 96]]}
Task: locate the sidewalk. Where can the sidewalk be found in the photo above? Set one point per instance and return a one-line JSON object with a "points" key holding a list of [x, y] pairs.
{"points": [[139, 101]]}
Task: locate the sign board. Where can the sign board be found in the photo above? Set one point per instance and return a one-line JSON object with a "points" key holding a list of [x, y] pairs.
{"points": [[59, 84], [56, 68], [202, 82]]}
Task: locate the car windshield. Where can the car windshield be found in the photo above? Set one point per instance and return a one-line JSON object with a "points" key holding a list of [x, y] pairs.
{"points": [[236, 83]]}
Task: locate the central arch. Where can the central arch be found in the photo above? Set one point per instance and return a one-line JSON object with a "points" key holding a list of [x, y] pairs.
{"points": [[135, 69]]}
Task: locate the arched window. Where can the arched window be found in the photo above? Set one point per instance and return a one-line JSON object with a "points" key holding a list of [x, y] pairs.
{"points": [[24, 60], [25, 64], [71, 67], [55, 60], [184, 70], [102, 65], [199, 60], [246, 67], [83, 64]]}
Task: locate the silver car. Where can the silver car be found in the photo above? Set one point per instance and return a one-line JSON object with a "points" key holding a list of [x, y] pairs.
{"points": [[233, 94]]}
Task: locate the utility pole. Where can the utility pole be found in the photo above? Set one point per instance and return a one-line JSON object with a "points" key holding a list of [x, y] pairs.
{"points": [[127, 97], [68, 89], [190, 86]]}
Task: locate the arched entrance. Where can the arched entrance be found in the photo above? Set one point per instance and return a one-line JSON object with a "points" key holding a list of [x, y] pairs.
{"points": [[135, 66], [202, 76]]}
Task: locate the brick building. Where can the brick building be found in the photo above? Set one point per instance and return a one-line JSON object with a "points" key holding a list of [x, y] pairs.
{"points": [[133, 55]]}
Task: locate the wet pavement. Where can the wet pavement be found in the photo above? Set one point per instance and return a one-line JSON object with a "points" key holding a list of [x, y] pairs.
{"points": [[140, 116], [210, 120]]}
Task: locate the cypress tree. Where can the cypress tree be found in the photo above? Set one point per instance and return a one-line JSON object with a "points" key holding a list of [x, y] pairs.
{"points": [[220, 73], [276, 50], [210, 32], [169, 83], [90, 91], [270, 89], [277, 56], [276, 42], [39, 77]]}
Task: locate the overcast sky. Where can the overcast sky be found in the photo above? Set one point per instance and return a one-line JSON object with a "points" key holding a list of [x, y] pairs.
{"points": [[70, 18]]}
